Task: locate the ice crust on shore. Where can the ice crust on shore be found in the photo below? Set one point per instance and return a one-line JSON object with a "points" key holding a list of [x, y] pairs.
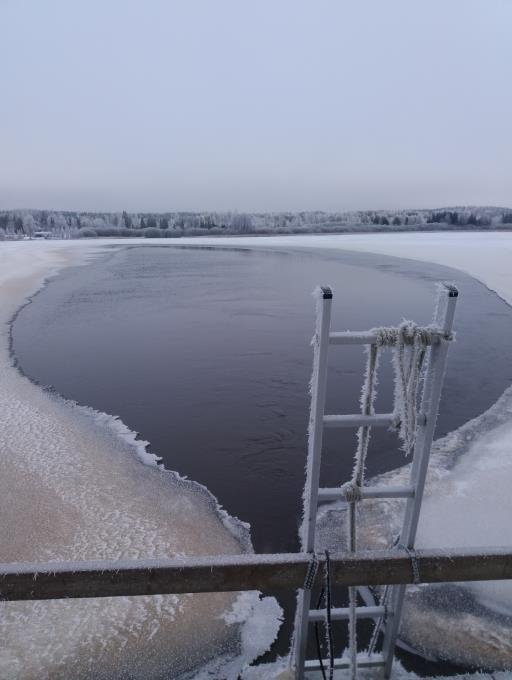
{"points": [[73, 488]]}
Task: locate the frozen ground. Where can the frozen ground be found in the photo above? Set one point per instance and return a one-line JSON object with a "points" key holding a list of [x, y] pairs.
{"points": [[57, 450]]}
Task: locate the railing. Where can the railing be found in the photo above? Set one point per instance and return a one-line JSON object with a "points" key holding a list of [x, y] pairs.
{"points": [[223, 573]]}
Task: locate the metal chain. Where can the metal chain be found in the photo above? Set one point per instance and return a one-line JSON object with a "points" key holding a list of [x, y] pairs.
{"points": [[311, 572]]}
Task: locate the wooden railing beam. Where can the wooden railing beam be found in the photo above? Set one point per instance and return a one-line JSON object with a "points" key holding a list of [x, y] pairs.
{"points": [[223, 573]]}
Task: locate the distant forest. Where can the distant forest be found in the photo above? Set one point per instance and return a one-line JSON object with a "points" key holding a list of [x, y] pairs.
{"points": [[16, 224]]}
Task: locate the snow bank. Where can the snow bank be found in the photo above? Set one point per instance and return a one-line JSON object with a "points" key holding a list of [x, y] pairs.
{"points": [[72, 487]]}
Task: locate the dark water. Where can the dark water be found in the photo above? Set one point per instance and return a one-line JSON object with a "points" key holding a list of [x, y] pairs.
{"points": [[205, 352]]}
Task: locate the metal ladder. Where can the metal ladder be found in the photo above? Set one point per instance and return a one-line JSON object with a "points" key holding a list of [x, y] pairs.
{"points": [[413, 492]]}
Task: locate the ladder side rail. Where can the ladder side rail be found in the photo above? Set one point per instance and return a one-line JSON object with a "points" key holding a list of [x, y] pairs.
{"points": [[318, 395], [431, 396]]}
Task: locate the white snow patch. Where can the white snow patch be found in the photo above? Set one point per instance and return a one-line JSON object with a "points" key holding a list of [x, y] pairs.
{"points": [[261, 619]]}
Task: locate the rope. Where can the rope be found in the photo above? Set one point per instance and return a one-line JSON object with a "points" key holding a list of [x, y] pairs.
{"points": [[352, 489], [368, 395], [352, 631], [408, 331], [409, 342], [317, 637], [326, 593], [387, 589], [414, 563], [380, 622], [382, 602], [328, 626]]}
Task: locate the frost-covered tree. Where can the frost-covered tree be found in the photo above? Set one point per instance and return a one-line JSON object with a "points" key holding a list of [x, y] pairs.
{"points": [[127, 220], [29, 224], [18, 225], [242, 223]]}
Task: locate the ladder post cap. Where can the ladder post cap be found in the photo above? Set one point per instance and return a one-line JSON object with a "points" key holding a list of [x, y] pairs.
{"points": [[452, 290], [326, 292]]}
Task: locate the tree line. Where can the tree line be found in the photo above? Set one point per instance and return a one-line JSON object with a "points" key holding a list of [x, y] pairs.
{"points": [[69, 224]]}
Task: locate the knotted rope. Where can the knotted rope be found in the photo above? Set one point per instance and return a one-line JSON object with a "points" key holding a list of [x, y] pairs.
{"points": [[409, 343]]}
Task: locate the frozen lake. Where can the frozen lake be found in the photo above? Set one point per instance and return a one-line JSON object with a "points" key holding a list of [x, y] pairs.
{"points": [[205, 353]]}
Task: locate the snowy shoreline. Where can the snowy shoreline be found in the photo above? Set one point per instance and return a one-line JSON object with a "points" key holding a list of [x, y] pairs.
{"points": [[484, 256], [73, 488]]}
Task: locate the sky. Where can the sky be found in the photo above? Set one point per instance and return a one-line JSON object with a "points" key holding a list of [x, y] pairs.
{"points": [[255, 105]]}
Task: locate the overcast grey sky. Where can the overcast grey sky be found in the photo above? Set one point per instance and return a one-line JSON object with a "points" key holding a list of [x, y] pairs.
{"points": [[156, 105]]}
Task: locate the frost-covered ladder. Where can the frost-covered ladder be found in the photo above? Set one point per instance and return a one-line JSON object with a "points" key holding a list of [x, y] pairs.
{"points": [[413, 492]]}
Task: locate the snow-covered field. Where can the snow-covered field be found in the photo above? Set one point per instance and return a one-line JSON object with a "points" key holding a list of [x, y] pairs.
{"points": [[69, 489]]}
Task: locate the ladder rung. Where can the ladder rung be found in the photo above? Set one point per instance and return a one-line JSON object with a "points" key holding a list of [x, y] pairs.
{"points": [[339, 614], [337, 494], [359, 420], [363, 661], [352, 338]]}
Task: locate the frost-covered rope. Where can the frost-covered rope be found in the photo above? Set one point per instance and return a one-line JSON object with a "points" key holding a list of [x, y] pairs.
{"points": [[352, 489], [317, 637], [416, 578], [409, 342], [325, 594], [381, 621], [368, 395], [328, 625]]}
